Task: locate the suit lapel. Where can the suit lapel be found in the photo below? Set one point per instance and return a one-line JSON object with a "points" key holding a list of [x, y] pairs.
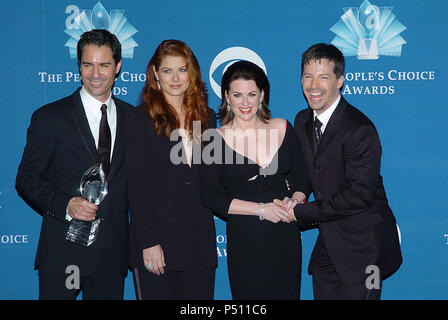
{"points": [[331, 128], [305, 134], [118, 144], [183, 168], [82, 124], [309, 131]]}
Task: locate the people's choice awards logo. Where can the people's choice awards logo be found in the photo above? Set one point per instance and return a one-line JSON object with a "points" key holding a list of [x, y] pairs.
{"points": [[80, 21], [230, 56], [368, 32]]}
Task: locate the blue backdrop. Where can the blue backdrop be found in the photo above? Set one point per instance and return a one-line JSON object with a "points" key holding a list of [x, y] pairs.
{"points": [[395, 63]]}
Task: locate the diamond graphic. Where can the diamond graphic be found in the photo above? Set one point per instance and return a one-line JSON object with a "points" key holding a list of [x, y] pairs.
{"points": [[368, 32], [99, 18]]}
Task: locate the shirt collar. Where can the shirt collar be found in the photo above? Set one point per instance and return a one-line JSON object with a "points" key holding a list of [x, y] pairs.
{"points": [[91, 102], [325, 116]]}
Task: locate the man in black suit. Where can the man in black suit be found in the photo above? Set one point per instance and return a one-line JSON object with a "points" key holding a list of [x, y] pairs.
{"points": [[358, 245], [64, 139]]}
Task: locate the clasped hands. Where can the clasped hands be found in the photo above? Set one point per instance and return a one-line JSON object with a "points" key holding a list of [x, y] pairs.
{"points": [[283, 210]]}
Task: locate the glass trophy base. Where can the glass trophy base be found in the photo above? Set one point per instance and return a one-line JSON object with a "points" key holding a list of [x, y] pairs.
{"points": [[83, 232], [367, 49]]}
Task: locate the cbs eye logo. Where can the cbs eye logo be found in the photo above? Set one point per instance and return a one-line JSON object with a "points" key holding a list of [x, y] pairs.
{"points": [[228, 56]]}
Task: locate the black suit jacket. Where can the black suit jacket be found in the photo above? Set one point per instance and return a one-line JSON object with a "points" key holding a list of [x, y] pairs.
{"points": [[164, 198], [351, 210], [59, 149]]}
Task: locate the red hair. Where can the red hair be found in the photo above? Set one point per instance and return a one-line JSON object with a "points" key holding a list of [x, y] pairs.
{"points": [[195, 98]]}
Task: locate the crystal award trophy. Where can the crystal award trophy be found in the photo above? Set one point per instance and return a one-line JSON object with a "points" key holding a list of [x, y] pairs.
{"points": [[368, 17], [93, 188]]}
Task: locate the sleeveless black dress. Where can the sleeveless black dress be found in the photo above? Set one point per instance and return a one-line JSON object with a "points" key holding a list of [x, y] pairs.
{"points": [[264, 258]]}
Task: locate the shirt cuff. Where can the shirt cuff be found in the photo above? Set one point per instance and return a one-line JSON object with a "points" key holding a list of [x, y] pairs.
{"points": [[67, 216]]}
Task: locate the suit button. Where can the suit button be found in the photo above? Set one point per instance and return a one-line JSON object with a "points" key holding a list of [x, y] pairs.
{"points": [[188, 182], [317, 169], [319, 195]]}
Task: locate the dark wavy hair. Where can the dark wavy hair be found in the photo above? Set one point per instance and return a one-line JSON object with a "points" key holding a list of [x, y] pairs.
{"points": [[248, 71], [195, 98], [100, 37], [325, 51]]}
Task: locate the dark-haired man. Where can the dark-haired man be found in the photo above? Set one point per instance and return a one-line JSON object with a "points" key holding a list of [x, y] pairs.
{"points": [[64, 139], [358, 245]]}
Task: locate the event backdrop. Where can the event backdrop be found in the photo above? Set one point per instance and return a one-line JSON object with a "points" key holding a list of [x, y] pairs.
{"points": [[396, 52]]}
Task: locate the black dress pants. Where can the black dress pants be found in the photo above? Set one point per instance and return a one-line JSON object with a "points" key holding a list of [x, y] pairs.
{"points": [[102, 285], [328, 286], [196, 283]]}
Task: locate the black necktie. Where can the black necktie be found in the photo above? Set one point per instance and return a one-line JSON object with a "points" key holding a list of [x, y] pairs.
{"points": [[317, 132], [104, 141]]}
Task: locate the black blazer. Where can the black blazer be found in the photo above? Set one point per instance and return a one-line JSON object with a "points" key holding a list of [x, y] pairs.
{"points": [[351, 209], [164, 198], [59, 149]]}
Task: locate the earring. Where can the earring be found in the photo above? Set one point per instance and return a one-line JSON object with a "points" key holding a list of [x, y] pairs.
{"points": [[260, 106], [228, 107], [158, 84]]}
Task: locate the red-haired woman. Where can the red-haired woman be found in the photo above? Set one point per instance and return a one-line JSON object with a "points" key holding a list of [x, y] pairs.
{"points": [[172, 235]]}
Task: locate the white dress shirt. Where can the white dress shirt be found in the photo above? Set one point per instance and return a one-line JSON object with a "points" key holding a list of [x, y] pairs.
{"points": [[188, 145], [92, 108], [325, 116]]}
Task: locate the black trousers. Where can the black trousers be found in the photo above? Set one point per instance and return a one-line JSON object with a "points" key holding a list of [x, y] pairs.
{"points": [[102, 285], [196, 283], [328, 286]]}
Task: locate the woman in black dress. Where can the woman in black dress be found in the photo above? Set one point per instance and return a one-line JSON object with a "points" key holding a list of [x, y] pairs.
{"points": [[256, 160], [172, 235]]}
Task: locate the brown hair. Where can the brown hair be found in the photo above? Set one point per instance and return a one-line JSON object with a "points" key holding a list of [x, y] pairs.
{"points": [[195, 98], [325, 51], [248, 71]]}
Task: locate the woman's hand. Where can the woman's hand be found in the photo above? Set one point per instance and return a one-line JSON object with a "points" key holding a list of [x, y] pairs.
{"points": [[154, 259]]}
